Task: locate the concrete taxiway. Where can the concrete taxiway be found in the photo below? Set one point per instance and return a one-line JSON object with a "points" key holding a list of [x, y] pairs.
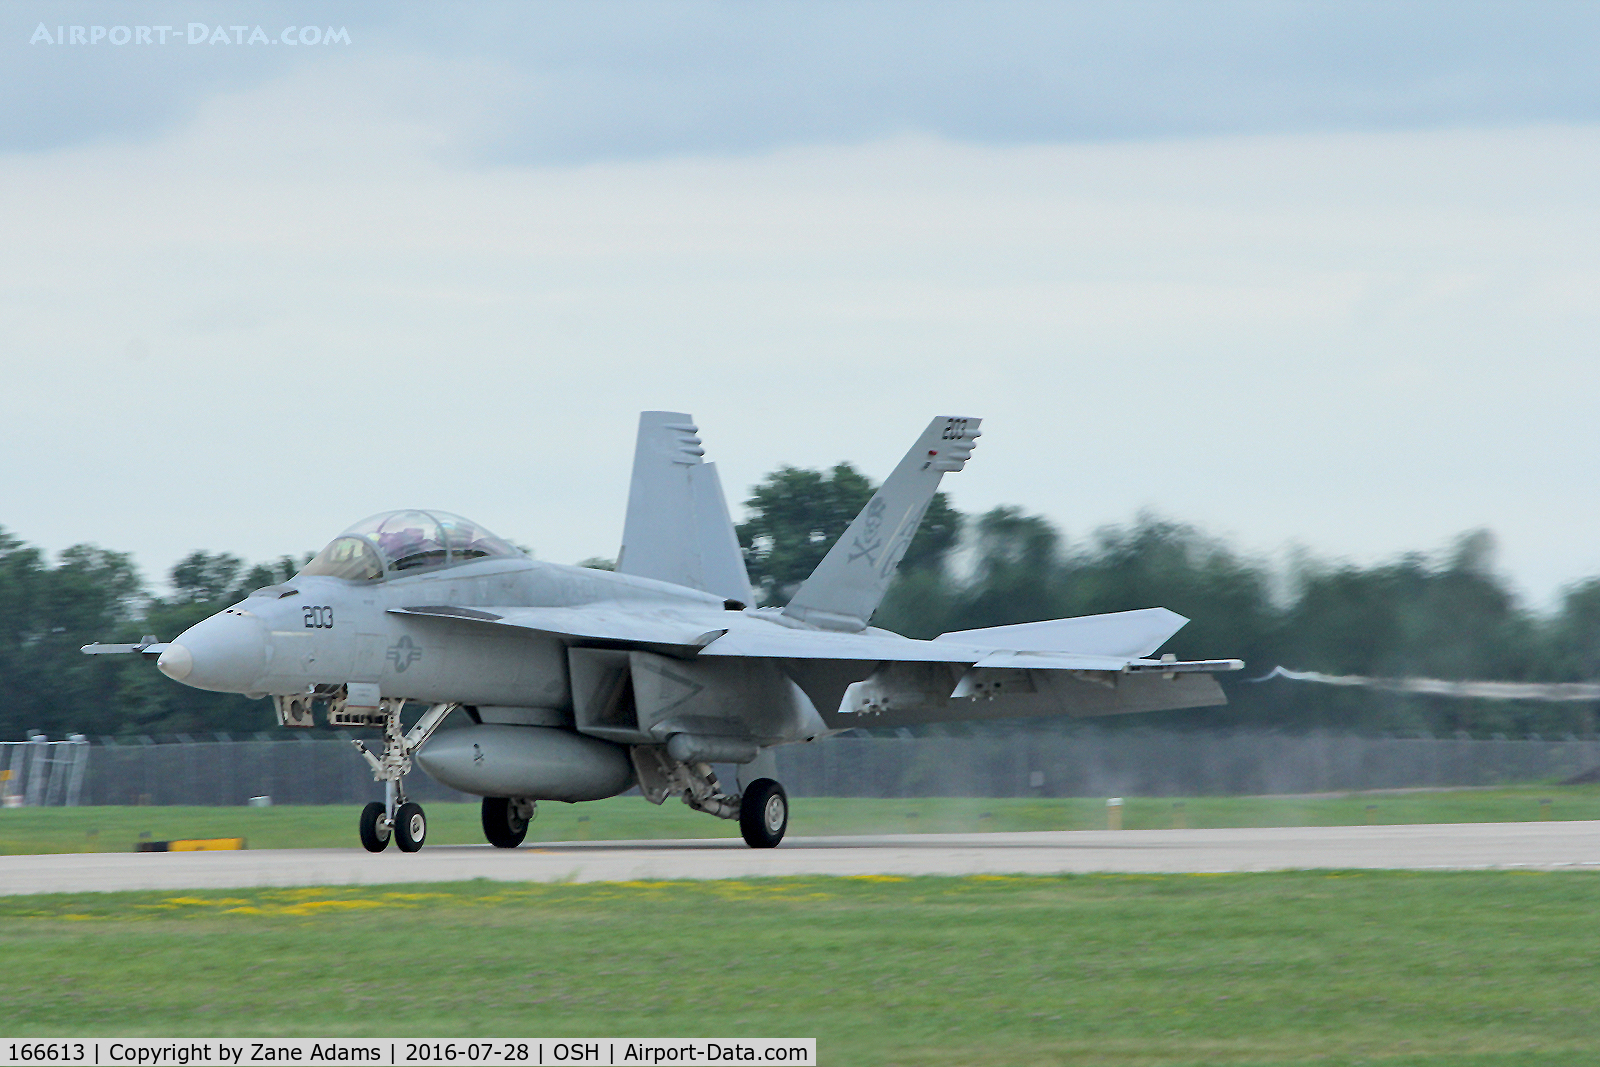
{"points": [[1466, 846]]}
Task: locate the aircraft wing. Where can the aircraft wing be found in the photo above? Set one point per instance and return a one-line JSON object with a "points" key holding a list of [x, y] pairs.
{"points": [[879, 679], [622, 627], [815, 644], [823, 644], [1120, 633], [1068, 661]]}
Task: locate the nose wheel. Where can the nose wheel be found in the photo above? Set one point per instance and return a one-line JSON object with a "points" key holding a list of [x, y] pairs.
{"points": [[410, 826], [375, 828]]}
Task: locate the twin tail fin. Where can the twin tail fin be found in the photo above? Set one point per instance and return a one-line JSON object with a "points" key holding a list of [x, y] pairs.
{"points": [[849, 583]]}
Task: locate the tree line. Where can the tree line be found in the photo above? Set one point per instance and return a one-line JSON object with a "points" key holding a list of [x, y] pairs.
{"points": [[48, 611], [1441, 615]]}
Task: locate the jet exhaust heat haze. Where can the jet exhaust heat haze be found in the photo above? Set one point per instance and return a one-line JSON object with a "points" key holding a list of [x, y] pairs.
{"points": [[581, 684], [1547, 692]]}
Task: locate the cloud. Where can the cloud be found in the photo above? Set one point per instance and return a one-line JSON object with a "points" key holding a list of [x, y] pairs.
{"points": [[580, 81], [304, 304], [61, 95]]}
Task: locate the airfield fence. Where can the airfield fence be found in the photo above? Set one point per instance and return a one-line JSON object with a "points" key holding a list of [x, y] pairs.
{"points": [[1085, 762], [1105, 763], [39, 772]]}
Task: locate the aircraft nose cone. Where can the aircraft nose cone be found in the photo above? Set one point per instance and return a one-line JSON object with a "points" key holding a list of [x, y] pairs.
{"points": [[226, 654], [175, 662]]}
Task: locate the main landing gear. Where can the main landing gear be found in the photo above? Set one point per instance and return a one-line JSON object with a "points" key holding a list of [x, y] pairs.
{"points": [[762, 809], [506, 819], [397, 817], [763, 813]]}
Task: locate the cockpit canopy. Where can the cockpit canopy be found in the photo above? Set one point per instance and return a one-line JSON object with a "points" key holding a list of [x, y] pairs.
{"points": [[400, 542]]}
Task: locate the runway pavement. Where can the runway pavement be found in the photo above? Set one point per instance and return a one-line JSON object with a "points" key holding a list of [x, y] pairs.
{"points": [[1535, 845]]}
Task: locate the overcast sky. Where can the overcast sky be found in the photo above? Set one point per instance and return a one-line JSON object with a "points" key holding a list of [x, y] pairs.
{"points": [[1302, 274]]}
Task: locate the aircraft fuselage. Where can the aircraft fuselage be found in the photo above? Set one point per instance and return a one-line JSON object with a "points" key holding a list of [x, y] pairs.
{"points": [[320, 631]]}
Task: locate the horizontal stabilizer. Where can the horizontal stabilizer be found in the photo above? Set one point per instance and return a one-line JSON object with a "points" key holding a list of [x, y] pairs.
{"points": [[1122, 633]]}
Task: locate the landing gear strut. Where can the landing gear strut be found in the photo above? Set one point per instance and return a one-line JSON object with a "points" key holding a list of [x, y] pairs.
{"points": [[396, 816]]}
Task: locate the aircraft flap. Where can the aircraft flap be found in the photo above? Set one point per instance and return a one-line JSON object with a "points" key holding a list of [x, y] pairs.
{"points": [[1071, 661]]}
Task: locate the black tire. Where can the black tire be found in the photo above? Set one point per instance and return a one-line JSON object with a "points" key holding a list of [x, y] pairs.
{"points": [[501, 824], [763, 813], [374, 828], [410, 827]]}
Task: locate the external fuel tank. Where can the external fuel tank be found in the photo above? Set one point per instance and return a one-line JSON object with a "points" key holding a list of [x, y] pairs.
{"points": [[537, 762]]}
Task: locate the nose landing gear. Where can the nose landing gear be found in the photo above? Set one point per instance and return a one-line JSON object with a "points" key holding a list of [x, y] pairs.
{"points": [[396, 816], [375, 827]]}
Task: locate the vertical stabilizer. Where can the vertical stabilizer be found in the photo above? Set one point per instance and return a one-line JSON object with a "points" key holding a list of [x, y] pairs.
{"points": [[849, 583], [678, 529]]}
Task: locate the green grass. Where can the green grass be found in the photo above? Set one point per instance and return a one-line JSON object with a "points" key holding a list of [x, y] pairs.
{"points": [[1311, 967], [36, 830]]}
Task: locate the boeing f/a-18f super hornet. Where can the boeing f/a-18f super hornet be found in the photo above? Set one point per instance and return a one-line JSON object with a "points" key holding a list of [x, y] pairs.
{"points": [[581, 683]]}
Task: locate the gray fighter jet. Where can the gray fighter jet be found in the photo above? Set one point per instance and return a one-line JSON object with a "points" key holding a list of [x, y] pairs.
{"points": [[581, 683]]}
